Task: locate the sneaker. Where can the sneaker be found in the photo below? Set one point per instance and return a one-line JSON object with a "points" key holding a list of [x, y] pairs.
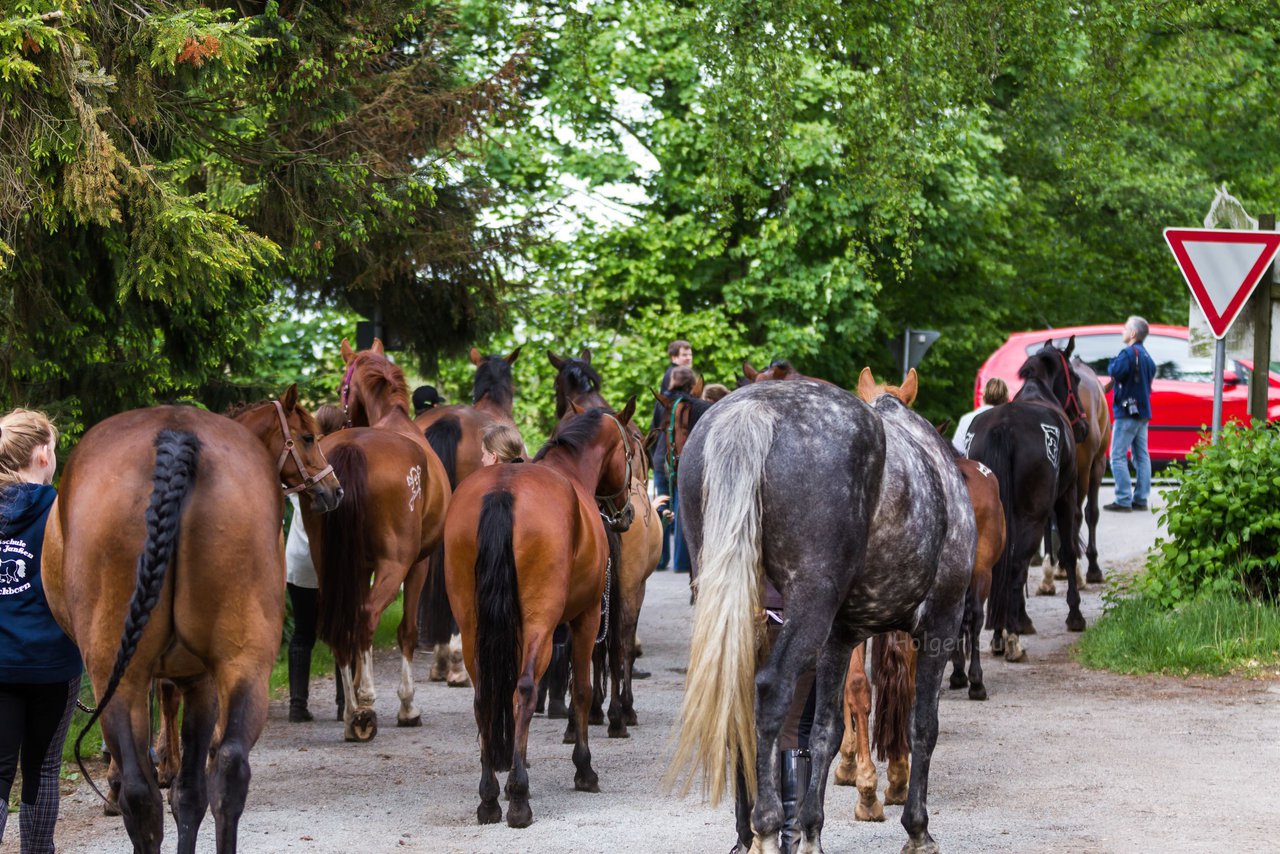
{"points": [[1117, 508], [1139, 505]]}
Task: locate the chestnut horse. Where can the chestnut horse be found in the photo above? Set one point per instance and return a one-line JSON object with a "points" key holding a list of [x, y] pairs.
{"points": [[577, 387], [895, 656], [140, 571], [526, 550], [393, 518], [456, 434]]}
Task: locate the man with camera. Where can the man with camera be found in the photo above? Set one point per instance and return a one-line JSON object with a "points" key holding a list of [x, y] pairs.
{"points": [[1132, 371]]}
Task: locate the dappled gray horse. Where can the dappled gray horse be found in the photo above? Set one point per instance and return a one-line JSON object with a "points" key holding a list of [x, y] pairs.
{"points": [[860, 517]]}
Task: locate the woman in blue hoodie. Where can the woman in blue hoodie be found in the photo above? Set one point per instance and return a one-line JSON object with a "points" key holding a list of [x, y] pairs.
{"points": [[39, 665]]}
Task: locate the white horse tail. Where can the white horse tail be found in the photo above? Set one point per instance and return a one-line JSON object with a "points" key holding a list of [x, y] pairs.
{"points": [[717, 718]]}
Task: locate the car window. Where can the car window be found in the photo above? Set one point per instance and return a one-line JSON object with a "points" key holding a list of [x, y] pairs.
{"points": [[1169, 353]]}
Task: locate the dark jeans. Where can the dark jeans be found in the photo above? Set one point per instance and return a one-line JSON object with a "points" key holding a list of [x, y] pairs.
{"points": [[31, 717], [680, 561]]}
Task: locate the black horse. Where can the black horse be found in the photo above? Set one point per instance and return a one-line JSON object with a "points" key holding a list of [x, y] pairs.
{"points": [[1030, 444], [766, 468]]}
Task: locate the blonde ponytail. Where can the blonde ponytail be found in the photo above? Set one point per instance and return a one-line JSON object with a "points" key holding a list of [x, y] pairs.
{"points": [[22, 431]]}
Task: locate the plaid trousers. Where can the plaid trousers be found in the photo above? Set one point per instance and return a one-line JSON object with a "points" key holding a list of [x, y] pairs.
{"points": [[36, 821]]}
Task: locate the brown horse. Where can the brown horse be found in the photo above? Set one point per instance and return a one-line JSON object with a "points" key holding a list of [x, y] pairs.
{"points": [[577, 386], [895, 655], [139, 539], [526, 550], [393, 518], [456, 434], [1091, 465]]}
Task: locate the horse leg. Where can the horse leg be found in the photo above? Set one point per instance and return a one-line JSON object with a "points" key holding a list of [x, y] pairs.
{"points": [[958, 677], [924, 726], [824, 742], [489, 811], [407, 638], [125, 728], [557, 675], [190, 792], [439, 663], [847, 766], [457, 676], [900, 762], [618, 657], [742, 809], [584, 631], [867, 779], [971, 632], [241, 717], [1066, 511], [598, 677], [537, 654], [630, 654], [361, 720], [168, 751], [1091, 514]]}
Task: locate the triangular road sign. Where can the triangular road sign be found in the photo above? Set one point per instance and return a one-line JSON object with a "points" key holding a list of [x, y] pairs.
{"points": [[1222, 267]]}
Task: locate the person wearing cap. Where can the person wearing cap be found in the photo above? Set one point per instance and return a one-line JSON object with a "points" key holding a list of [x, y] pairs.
{"points": [[425, 397]]}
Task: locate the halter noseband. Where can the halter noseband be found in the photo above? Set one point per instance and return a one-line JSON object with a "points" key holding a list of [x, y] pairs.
{"points": [[608, 504], [290, 447]]}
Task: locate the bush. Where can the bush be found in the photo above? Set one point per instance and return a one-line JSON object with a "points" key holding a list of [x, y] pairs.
{"points": [[1223, 521]]}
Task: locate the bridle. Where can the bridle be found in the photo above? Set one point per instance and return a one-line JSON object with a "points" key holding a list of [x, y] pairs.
{"points": [[608, 504], [291, 448], [1072, 401]]}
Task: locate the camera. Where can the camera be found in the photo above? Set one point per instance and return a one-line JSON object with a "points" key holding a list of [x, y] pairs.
{"points": [[1130, 405]]}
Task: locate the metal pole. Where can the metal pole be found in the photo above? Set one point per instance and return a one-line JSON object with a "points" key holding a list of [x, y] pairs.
{"points": [[906, 352], [1219, 367], [1260, 379]]}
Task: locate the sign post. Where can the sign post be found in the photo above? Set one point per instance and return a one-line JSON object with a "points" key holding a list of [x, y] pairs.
{"points": [[915, 343], [1221, 267]]}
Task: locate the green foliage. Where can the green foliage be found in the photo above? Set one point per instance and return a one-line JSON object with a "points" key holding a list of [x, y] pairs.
{"points": [[1214, 634], [1223, 521]]}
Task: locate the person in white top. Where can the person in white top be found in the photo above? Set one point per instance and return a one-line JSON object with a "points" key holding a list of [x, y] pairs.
{"points": [[994, 393], [304, 593]]}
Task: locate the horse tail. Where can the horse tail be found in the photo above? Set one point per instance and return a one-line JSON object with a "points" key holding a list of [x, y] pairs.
{"points": [[999, 457], [717, 718], [345, 569], [895, 691], [444, 436], [499, 624], [177, 455]]}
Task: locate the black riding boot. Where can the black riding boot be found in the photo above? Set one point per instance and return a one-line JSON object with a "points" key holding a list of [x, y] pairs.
{"points": [[795, 780], [299, 684]]}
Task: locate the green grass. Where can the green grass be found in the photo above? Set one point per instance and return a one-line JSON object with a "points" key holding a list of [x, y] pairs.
{"points": [[1212, 635], [321, 663]]}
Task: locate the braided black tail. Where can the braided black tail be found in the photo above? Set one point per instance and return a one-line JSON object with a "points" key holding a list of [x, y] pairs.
{"points": [[176, 456]]}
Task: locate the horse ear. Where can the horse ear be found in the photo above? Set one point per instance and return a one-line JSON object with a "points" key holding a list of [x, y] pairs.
{"points": [[477, 358], [628, 411], [515, 354], [943, 427], [347, 353], [376, 347], [556, 361], [698, 385], [909, 388], [866, 385], [585, 355], [662, 398], [290, 398], [577, 409], [1071, 346], [749, 372]]}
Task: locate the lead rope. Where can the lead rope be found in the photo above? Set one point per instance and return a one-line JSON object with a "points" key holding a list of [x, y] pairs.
{"points": [[604, 600]]}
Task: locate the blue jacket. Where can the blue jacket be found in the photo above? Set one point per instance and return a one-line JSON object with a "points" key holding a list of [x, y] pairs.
{"points": [[1132, 370], [33, 648]]}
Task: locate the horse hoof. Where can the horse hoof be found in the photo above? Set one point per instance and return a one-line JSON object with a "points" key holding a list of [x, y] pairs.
{"points": [[895, 797], [958, 680], [457, 680], [846, 771], [416, 720], [997, 645], [1046, 590], [927, 846], [586, 783], [110, 808], [595, 719], [977, 692], [872, 812], [570, 735], [618, 731], [557, 711], [1094, 576], [519, 815], [489, 813], [1075, 623], [363, 726], [629, 718], [1013, 651]]}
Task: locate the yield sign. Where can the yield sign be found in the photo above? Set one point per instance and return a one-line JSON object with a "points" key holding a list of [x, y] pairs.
{"points": [[1222, 267]]}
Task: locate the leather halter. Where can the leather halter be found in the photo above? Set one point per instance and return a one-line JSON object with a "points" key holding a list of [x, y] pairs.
{"points": [[1072, 400], [608, 504], [290, 447]]}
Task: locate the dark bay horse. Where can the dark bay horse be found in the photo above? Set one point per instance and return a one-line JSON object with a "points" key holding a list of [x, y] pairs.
{"points": [[393, 518], [140, 571], [526, 550], [1091, 465], [1030, 444], [456, 434], [765, 468]]}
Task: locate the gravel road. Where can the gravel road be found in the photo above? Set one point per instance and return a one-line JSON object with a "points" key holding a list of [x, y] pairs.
{"points": [[1059, 759]]}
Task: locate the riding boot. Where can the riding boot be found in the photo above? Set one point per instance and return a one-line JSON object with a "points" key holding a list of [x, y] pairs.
{"points": [[795, 780], [299, 684]]}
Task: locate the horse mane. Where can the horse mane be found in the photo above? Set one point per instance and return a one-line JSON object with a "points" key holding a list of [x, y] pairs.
{"points": [[580, 376], [574, 434], [235, 410], [384, 377], [493, 378]]}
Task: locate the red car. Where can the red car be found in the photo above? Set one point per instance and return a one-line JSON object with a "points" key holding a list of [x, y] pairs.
{"points": [[1181, 395]]}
